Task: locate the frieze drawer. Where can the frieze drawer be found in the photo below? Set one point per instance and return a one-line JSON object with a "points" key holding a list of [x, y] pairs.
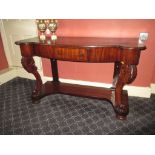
{"points": [[72, 54]]}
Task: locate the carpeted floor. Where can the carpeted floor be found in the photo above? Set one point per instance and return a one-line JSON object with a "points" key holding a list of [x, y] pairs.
{"points": [[64, 115]]}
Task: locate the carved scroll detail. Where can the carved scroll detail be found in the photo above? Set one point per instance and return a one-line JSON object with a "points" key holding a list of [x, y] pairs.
{"points": [[29, 65], [116, 73], [133, 74]]}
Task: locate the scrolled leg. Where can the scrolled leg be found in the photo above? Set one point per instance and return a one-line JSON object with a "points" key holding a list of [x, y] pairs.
{"points": [[124, 75], [29, 65]]}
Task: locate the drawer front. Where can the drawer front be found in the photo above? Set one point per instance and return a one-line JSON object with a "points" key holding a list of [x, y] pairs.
{"points": [[112, 54], [106, 54], [44, 51], [70, 54]]}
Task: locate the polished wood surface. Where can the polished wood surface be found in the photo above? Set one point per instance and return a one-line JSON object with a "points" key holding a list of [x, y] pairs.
{"points": [[86, 42], [123, 52]]}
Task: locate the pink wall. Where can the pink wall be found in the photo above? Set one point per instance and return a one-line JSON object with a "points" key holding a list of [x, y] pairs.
{"points": [[153, 76], [106, 28], [3, 60]]}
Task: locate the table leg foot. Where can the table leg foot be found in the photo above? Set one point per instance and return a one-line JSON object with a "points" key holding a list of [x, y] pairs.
{"points": [[35, 95], [121, 111]]}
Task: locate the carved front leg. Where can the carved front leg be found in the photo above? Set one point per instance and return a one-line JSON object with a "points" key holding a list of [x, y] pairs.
{"points": [[124, 75], [29, 65]]}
